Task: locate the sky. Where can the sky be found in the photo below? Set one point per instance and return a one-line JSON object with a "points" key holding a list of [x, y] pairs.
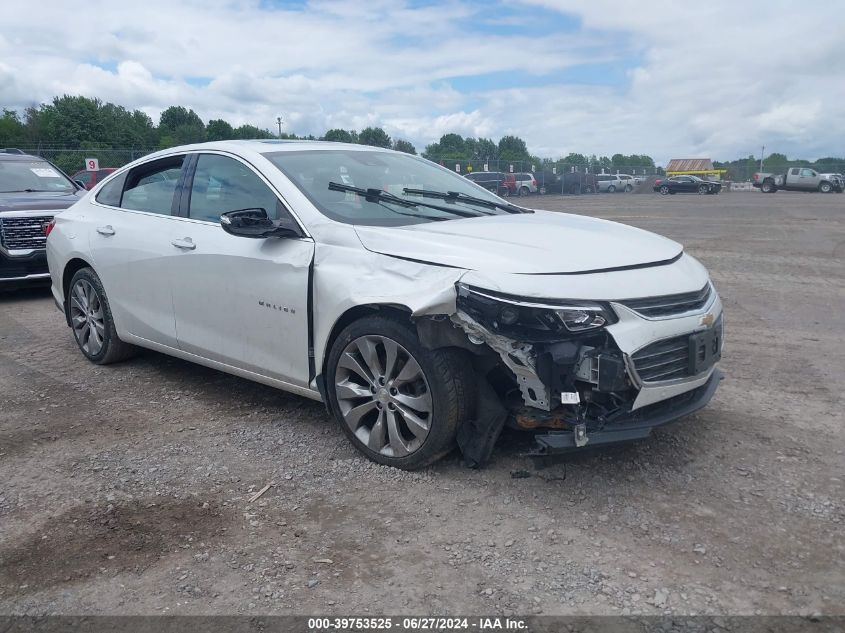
{"points": [[670, 79]]}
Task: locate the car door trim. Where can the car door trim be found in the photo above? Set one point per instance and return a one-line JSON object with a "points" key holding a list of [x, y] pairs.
{"points": [[224, 367], [188, 170]]}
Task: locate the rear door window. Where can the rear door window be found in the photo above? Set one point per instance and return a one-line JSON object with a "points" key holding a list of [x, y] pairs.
{"points": [[151, 187]]}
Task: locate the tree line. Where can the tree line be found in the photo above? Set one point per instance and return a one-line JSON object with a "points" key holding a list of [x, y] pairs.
{"points": [[72, 122], [76, 122], [777, 163]]}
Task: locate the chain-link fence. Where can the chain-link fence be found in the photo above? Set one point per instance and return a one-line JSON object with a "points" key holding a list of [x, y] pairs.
{"points": [[551, 176], [73, 160]]}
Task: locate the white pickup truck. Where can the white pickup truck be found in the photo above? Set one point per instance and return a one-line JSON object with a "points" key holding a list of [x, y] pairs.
{"points": [[797, 179]]}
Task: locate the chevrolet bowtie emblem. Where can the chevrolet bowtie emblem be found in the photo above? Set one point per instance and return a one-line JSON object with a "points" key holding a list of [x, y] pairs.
{"points": [[708, 319]]}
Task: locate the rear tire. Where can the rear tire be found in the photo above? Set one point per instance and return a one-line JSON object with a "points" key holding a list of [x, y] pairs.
{"points": [[611, 189], [408, 415], [664, 190], [92, 321], [524, 191], [629, 188]]}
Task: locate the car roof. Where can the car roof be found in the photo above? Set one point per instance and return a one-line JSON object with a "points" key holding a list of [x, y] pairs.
{"points": [[266, 146], [19, 157]]}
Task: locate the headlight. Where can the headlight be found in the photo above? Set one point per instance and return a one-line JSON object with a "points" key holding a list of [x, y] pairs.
{"points": [[508, 314]]}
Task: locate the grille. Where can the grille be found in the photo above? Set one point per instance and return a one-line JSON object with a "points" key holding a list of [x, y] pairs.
{"points": [[23, 233], [670, 305], [664, 360]]}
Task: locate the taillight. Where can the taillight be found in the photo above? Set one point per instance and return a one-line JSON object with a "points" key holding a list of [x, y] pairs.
{"points": [[47, 227], [658, 181]]}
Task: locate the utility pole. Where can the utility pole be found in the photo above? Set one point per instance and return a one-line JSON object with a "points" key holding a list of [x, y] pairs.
{"points": [[279, 122], [762, 150]]}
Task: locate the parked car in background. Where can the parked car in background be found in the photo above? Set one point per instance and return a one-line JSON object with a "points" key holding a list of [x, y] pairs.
{"points": [[499, 182], [796, 179], [32, 191], [91, 178], [612, 183], [686, 184], [628, 181], [526, 184], [424, 315]]}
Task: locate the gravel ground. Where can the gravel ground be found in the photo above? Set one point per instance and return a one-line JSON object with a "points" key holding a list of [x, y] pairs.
{"points": [[125, 489]]}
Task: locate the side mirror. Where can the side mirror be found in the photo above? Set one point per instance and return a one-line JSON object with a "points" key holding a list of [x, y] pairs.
{"points": [[80, 184], [256, 224]]}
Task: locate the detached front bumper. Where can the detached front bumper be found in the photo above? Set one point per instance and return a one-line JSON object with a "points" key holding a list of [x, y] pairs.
{"points": [[634, 425]]}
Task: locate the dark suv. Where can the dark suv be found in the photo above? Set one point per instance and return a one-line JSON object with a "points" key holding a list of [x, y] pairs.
{"points": [[498, 182], [32, 191]]}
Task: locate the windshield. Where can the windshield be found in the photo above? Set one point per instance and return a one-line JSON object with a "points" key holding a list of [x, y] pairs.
{"points": [[312, 171], [32, 175]]}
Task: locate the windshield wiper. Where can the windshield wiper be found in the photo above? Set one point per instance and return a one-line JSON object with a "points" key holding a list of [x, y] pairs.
{"points": [[457, 196], [379, 195]]}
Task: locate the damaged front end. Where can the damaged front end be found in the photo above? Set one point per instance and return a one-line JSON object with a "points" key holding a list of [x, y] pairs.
{"points": [[553, 367]]}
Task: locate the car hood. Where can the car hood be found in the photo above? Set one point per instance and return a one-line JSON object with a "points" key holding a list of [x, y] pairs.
{"points": [[37, 201], [539, 243]]}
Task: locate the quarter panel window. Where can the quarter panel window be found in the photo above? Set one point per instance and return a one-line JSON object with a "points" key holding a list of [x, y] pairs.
{"points": [[223, 184]]}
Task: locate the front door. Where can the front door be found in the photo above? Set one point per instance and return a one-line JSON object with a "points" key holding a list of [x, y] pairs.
{"points": [[240, 301]]}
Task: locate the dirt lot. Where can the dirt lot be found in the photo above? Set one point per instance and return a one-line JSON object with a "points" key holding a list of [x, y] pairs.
{"points": [[124, 489]]}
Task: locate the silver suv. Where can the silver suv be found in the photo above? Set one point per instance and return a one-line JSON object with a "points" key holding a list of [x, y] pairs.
{"points": [[611, 183], [525, 184]]}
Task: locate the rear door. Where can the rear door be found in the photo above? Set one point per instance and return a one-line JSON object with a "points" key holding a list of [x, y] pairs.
{"points": [[240, 301], [131, 233]]}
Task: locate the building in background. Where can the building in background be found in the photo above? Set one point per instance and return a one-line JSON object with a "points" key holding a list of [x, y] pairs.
{"points": [[701, 167]]}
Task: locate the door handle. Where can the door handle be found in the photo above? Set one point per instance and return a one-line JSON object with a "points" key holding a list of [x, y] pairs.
{"points": [[105, 230], [185, 243]]}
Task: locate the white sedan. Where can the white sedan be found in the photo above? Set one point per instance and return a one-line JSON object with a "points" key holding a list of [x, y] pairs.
{"points": [[423, 310]]}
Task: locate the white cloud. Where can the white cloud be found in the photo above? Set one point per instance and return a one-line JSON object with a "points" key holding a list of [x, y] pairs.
{"points": [[717, 79]]}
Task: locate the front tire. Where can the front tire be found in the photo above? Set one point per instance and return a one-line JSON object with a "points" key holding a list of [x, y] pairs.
{"points": [[611, 189], [768, 187], [825, 187], [703, 190], [398, 403], [92, 322]]}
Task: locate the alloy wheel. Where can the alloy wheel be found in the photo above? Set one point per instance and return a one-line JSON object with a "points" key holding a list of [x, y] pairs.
{"points": [[383, 395], [86, 317]]}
